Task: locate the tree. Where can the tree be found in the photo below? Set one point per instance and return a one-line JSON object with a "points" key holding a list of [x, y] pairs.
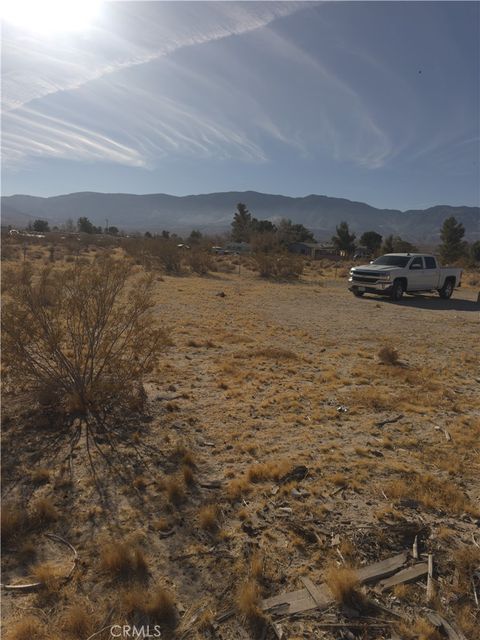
{"points": [[289, 232], [344, 241], [475, 251], [41, 226], [452, 247], [372, 241], [395, 244], [263, 226], [387, 246], [194, 237], [113, 231], [242, 224], [85, 226]]}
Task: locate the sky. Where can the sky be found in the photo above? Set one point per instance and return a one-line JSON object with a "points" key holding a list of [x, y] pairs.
{"points": [[372, 101]]}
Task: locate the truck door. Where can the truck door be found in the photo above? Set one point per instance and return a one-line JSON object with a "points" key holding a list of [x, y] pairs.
{"points": [[432, 272], [416, 275]]}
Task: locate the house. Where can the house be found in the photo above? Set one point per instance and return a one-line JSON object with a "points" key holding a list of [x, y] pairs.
{"points": [[314, 250]]}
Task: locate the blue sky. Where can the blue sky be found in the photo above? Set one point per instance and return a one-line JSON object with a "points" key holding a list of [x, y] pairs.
{"points": [[372, 101]]}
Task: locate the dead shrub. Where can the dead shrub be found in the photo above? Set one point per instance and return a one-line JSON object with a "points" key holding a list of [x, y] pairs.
{"points": [[200, 261], [83, 336], [388, 355], [278, 266]]}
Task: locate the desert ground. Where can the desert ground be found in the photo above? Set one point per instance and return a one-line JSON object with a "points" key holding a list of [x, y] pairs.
{"points": [[375, 404]]}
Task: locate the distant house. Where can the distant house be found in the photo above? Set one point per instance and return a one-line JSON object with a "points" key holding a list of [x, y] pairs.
{"points": [[313, 250]]}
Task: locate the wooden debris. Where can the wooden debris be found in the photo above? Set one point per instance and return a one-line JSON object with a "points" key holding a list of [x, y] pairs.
{"points": [[303, 600], [211, 484], [319, 595], [382, 423], [415, 548], [430, 587], [403, 577], [439, 622]]}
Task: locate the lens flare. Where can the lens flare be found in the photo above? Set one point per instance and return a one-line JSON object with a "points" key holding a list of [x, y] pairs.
{"points": [[49, 17]]}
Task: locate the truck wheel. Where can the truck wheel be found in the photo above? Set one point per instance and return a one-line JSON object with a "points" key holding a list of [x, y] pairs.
{"points": [[447, 289], [358, 294], [397, 290]]}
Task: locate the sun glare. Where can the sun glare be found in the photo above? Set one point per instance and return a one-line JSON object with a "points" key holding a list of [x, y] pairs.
{"points": [[50, 16]]}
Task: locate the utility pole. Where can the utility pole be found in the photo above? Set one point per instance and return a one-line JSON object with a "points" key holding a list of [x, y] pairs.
{"points": [[106, 225]]}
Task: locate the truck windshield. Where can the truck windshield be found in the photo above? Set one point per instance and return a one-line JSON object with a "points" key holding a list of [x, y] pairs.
{"points": [[392, 261]]}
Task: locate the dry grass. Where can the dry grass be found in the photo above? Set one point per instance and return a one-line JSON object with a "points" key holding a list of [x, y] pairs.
{"points": [[208, 518], [43, 512], [344, 585], [175, 489], [122, 560], [47, 575], [77, 622], [248, 606], [388, 355], [162, 608], [432, 493], [272, 470], [40, 476], [13, 521], [29, 628]]}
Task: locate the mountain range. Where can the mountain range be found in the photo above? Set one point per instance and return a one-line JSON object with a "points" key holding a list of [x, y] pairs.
{"points": [[213, 213]]}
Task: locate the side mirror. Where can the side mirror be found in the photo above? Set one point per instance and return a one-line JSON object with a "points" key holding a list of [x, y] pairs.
{"points": [[416, 266]]}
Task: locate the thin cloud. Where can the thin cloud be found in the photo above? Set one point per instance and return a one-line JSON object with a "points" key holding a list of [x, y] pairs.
{"points": [[34, 66]]}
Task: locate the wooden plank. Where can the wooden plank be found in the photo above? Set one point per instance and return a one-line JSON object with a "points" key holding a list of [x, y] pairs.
{"points": [[439, 622], [322, 594], [382, 569], [404, 576], [309, 598], [289, 603]]}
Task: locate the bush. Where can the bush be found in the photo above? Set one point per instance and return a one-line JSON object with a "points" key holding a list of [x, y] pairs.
{"points": [[200, 261], [81, 337], [279, 266]]}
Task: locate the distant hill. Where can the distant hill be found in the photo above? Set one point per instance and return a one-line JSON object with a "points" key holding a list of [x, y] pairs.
{"points": [[214, 212]]}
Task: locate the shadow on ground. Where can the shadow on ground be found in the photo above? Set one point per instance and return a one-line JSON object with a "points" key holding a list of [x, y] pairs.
{"points": [[434, 304]]}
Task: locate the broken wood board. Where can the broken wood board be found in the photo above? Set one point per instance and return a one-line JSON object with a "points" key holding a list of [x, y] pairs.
{"points": [[439, 622], [320, 597], [404, 576]]}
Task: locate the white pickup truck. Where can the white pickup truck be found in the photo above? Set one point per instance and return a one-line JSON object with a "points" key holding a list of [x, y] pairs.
{"points": [[397, 273]]}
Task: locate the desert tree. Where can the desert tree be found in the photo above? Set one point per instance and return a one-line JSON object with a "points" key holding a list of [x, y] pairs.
{"points": [[396, 244], [242, 224], [344, 241], [475, 251], [453, 245], [289, 232], [372, 241], [41, 226]]}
